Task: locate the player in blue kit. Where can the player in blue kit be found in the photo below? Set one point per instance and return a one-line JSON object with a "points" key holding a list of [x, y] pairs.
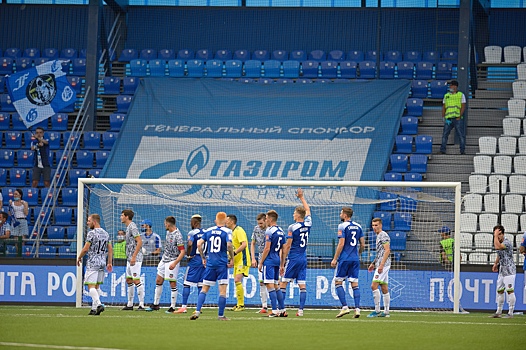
{"points": [[271, 262], [295, 252], [219, 257], [195, 269], [351, 244]]}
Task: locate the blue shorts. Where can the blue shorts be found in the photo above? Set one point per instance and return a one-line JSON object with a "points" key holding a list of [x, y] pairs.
{"points": [[194, 276], [271, 274], [295, 270], [219, 275], [347, 270]]}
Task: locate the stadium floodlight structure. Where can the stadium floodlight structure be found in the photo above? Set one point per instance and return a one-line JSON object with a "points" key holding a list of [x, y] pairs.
{"points": [[423, 207]]}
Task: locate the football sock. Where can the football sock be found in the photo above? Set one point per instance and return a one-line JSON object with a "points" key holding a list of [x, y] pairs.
{"points": [[140, 293], [221, 304], [200, 301], [186, 294], [264, 295], [511, 303], [376, 297], [356, 295], [99, 291], [500, 302], [95, 297], [273, 299], [240, 294], [303, 297], [158, 293], [281, 298], [387, 302], [173, 297], [131, 293], [341, 295]]}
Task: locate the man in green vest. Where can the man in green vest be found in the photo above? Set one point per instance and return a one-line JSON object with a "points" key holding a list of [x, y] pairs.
{"points": [[453, 107], [447, 245], [119, 247]]}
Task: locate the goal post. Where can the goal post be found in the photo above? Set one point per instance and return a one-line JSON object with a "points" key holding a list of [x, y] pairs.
{"points": [[425, 207]]}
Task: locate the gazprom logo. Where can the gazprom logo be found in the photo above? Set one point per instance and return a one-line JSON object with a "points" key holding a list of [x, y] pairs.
{"points": [[197, 160]]}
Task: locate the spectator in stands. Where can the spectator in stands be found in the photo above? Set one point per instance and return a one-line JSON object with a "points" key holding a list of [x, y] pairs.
{"points": [[453, 107], [41, 166], [119, 247], [447, 245], [151, 242], [5, 228], [19, 209]]}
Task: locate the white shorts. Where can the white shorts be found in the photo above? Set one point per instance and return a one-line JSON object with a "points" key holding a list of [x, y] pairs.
{"points": [[163, 270], [381, 278], [94, 277], [133, 272], [260, 276], [506, 283]]}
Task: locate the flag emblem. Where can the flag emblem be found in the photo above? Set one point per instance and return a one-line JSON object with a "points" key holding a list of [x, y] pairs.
{"points": [[42, 90]]}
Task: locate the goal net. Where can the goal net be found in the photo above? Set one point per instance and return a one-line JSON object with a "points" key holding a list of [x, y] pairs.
{"points": [[412, 214]]}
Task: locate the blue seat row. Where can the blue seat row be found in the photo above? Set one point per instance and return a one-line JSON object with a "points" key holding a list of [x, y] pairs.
{"points": [[112, 85], [50, 53], [417, 163], [35, 196], [75, 66], [13, 121], [16, 140], [22, 177], [419, 144]]}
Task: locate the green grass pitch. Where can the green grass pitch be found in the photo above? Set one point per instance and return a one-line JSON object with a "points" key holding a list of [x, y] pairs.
{"points": [[72, 328]]}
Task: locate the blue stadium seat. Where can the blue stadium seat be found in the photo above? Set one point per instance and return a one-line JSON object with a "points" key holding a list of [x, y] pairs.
{"points": [[242, 55], [414, 106], [112, 85], [128, 54], [78, 67], [450, 56], [75, 82], [25, 158], [317, 56], [91, 140], [203, 55], [72, 137], [47, 252], [223, 55], [74, 175], [298, 55], [424, 70], [310, 69], [233, 69], [59, 122], [123, 103], [66, 65], [393, 56], [279, 55], [23, 63], [18, 123], [138, 68], [265, 81], [371, 56], [329, 69], [399, 163], [6, 105], [402, 221], [63, 216], [304, 81], [13, 53], [418, 163], [367, 69], [409, 125], [424, 144], [100, 158], [69, 197], [247, 80], [336, 55], [108, 139], [17, 177], [413, 177], [291, 69], [28, 138], [157, 68], [166, 54], [431, 56], [84, 159], [116, 121], [195, 68], [185, 54], [387, 70], [408, 202], [252, 69], [214, 68], [56, 235], [348, 69], [261, 55], [2, 84], [444, 70], [148, 54], [13, 139], [356, 56], [31, 52], [50, 53], [94, 172], [405, 70], [419, 88], [393, 176], [30, 195], [386, 217], [176, 68], [398, 240], [438, 88], [272, 68], [68, 54], [129, 85], [413, 56], [7, 158], [10, 251], [404, 144], [3, 176], [66, 252]]}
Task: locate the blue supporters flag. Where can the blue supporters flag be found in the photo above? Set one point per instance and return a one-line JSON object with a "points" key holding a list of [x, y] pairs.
{"points": [[39, 92]]}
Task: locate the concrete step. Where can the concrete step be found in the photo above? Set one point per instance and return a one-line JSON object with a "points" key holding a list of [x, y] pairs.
{"points": [[488, 103], [491, 94]]}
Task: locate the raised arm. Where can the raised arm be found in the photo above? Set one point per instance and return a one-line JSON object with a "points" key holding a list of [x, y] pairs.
{"points": [[300, 195]]}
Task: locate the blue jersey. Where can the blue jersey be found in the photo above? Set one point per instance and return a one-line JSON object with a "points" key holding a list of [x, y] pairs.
{"points": [[217, 239], [352, 232], [193, 237], [299, 233], [523, 244], [276, 237]]}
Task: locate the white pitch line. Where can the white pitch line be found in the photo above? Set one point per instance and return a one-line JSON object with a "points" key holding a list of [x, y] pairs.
{"points": [[49, 346]]}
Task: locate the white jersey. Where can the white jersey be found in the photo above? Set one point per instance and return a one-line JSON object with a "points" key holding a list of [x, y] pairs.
{"points": [[98, 239], [131, 233], [381, 239], [171, 249]]}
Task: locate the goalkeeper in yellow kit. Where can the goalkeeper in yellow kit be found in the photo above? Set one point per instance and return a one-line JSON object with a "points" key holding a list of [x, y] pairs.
{"points": [[242, 259]]}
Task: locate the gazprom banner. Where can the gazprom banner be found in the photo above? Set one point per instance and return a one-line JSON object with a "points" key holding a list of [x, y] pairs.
{"points": [[408, 289]]}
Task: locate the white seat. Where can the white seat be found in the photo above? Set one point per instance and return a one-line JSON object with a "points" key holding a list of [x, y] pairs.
{"points": [[487, 145], [463, 257], [519, 89], [483, 241], [482, 164], [509, 236], [478, 258], [519, 165], [522, 220], [492, 257], [473, 203], [502, 165], [466, 240], [468, 222], [493, 183], [511, 126], [521, 71], [510, 223], [493, 54], [487, 222], [512, 54], [513, 203], [478, 183], [491, 203], [516, 107], [517, 184], [520, 259], [522, 145], [507, 145]]}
